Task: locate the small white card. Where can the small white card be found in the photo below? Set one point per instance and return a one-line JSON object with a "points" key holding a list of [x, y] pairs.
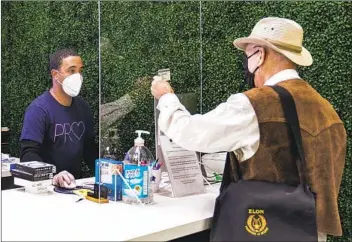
{"points": [[165, 74]]}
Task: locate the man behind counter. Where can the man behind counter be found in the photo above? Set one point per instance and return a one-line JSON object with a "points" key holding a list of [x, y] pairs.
{"points": [[58, 125]]}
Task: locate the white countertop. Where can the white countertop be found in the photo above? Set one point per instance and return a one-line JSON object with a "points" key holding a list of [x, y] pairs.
{"points": [[5, 173], [53, 216]]}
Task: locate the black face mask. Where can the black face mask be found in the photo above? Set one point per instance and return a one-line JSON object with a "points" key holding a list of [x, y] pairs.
{"points": [[249, 76]]}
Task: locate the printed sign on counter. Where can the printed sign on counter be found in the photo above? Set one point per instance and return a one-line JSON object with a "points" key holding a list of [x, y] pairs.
{"points": [[183, 167]]}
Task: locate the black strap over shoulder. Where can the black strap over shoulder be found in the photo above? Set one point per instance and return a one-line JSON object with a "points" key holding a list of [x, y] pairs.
{"points": [[290, 112]]}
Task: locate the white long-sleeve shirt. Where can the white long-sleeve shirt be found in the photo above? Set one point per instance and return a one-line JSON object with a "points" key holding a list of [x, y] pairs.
{"points": [[231, 126]]}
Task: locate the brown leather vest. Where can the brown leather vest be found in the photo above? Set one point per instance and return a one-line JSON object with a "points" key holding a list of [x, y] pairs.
{"points": [[324, 143]]}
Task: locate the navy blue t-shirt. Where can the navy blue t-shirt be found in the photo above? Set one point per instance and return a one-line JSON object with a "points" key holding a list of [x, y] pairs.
{"points": [[61, 130]]}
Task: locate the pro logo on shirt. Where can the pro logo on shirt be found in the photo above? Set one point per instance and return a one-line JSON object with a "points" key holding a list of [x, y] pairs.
{"points": [[70, 131], [256, 222]]}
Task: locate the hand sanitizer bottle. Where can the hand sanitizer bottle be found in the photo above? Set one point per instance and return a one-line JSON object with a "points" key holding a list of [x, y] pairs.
{"points": [[137, 172]]}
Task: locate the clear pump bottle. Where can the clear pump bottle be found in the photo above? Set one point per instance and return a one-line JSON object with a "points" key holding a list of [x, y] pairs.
{"points": [[138, 172]]}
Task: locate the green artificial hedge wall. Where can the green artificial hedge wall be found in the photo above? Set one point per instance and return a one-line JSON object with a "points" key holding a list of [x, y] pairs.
{"points": [[141, 38], [138, 38]]}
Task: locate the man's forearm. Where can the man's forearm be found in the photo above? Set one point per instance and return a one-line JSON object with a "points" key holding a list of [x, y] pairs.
{"points": [[30, 151], [90, 153]]}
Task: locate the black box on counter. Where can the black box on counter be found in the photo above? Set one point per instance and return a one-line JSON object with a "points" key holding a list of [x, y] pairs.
{"points": [[31, 177], [34, 167]]}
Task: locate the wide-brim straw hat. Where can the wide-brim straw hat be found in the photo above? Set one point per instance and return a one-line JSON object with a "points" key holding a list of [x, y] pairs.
{"points": [[282, 35]]}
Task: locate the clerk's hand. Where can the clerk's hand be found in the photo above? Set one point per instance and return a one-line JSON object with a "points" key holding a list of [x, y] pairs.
{"points": [[160, 88], [64, 179]]}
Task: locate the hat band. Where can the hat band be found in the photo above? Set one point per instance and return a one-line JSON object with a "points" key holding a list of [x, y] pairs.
{"points": [[283, 45]]}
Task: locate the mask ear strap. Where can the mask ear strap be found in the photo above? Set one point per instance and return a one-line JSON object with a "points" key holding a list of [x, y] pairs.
{"points": [[253, 75], [58, 81], [253, 54], [259, 60], [246, 70]]}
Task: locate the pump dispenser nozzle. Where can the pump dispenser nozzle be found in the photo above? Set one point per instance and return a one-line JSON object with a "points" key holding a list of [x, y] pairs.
{"points": [[139, 140]]}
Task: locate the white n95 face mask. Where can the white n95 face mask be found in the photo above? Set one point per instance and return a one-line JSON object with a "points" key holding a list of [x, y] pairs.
{"points": [[72, 84]]}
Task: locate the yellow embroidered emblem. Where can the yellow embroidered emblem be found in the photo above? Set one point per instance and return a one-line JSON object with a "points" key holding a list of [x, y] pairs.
{"points": [[256, 222]]}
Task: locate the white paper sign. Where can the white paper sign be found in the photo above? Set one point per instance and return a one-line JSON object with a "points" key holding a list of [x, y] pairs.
{"points": [[183, 167]]}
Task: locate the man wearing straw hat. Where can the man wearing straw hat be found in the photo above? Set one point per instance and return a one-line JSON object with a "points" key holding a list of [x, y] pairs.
{"points": [[252, 124]]}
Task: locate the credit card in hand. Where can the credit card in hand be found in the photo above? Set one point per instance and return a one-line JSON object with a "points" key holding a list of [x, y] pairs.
{"points": [[164, 74]]}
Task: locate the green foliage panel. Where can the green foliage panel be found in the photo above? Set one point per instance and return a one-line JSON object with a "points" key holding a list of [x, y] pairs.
{"points": [[138, 39]]}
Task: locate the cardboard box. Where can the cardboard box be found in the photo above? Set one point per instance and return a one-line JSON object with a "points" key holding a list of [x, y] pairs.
{"points": [[35, 167], [34, 186], [31, 177], [106, 174]]}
